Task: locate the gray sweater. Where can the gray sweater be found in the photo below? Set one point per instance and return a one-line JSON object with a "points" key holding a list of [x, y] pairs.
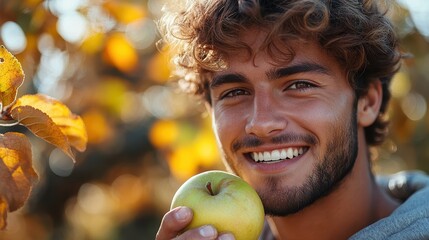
{"points": [[410, 221]]}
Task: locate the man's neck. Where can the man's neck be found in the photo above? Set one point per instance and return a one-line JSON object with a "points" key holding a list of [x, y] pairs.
{"points": [[355, 204]]}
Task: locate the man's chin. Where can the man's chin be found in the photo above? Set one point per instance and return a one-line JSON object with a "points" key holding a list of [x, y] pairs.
{"points": [[284, 205], [282, 201]]}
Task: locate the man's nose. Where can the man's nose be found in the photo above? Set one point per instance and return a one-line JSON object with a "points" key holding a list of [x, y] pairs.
{"points": [[266, 119]]}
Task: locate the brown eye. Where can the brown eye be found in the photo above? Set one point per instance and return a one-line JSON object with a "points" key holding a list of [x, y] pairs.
{"points": [[235, 93], [301, 85]]}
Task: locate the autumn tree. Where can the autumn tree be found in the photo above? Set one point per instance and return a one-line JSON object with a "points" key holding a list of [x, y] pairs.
{"points": [[44, 116]]}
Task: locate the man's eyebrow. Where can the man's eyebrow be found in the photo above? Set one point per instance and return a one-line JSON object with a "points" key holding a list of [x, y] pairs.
{"points": [[296, 68], [271, 74], [227, 78]]}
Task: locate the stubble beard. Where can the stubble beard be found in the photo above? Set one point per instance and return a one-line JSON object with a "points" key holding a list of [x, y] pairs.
{"points": [[328, 173]]}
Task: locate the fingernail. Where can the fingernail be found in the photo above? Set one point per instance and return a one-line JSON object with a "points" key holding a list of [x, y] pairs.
{"points": [[207, 231], [182, 214], [226, 236]]}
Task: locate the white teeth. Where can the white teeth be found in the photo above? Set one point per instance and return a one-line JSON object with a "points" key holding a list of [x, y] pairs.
{"points": [[267, 156], [283, 154], [295, 152], [276, 155], [290, 153], [255, 156]]}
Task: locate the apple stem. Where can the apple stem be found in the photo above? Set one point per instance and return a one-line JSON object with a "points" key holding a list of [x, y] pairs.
{"points": [[209, 187]]}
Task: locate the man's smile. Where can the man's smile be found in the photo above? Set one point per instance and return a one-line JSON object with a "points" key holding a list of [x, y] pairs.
{"points": [[277, 154]]}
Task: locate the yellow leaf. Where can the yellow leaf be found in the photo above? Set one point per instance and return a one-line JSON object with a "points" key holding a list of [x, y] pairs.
{"points": [[159, 67], [11, 77], [125, 12], [205, 149], [32, 3], [401, 85], [3, 212], [120, 53], [183, 163], [93, 43], [164, 133], [112, 94], [17, 175], [52, 121], [98, 128], [42, 126]]}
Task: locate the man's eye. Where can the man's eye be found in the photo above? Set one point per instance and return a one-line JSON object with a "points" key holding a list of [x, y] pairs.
{"points": [[301, 85], [234, 93]]}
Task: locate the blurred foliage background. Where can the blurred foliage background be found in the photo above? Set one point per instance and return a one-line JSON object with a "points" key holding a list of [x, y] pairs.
{"points": [[145, 137]]}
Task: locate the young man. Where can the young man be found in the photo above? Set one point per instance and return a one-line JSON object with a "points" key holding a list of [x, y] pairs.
{"points": [[297, 90]]}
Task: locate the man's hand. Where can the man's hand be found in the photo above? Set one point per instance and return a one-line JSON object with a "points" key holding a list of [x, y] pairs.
{"points": [[177, 219]]}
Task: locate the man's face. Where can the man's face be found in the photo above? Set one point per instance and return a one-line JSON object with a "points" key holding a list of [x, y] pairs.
{"points": [[289, 130]]}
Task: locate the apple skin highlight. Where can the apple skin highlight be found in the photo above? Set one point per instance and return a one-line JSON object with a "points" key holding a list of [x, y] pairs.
{"points": [[223, 200]]}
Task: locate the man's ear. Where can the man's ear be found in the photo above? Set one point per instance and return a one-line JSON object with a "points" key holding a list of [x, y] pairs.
{"points": [[369, 104]]}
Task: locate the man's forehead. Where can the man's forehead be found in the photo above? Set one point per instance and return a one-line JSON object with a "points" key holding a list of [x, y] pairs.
{"points": [[286, 54], [280, 50], [304, 56]]}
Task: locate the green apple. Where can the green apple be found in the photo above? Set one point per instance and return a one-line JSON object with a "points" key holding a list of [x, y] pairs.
{"points": [[223, 200]]}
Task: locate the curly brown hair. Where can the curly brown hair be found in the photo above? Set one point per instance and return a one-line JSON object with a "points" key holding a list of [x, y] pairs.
{"points": [[356, 32]]}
